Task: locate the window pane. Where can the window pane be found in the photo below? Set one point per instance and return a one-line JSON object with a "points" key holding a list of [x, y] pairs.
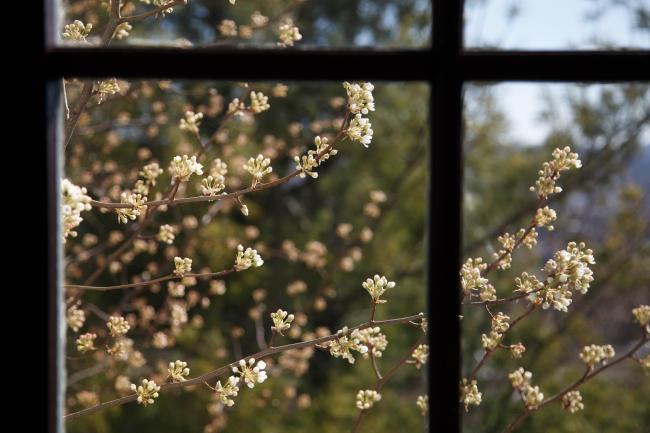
{"points": [[259, 23], [510, 130], [319, 239], [557, 24]]}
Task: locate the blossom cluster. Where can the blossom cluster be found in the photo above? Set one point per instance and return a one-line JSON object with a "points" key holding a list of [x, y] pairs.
{"points": [[469, 393], [259, 102], [137, 201], [642, 316], [360, 98], [191, 122], [307, 163], [166, 234], [531, 395], [568, 270], [211, 186], [74, 201], [423, 403], [420, 356], [107, 87], [117, 326], [289, 34], [75, 317], [150, 173], [366, 398], [373, 338], [376, 287], [77, 31], [281, 321], [182, 265], [572, 401], [247, 258], [471, 279], [360, 101], [178, 371], [146, 392], [251, 373], [258, 167], [86, 342], [595, 354], [563, 159], [181, 168], [341, 346], [224, 392], [500, 325]]}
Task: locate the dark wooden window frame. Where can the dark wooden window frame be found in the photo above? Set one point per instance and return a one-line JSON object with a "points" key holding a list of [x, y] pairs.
{"points": [[445, 65]]}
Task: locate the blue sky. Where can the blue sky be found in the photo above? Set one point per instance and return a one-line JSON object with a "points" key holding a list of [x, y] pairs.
{"points": [[542, 24]]}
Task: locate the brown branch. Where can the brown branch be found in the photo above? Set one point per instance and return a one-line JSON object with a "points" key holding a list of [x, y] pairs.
{"points": [[589, 374], [150, 282], [488, 352], [227, 368]]}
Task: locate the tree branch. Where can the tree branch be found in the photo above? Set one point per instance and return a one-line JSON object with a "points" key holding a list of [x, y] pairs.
{"points": [[227, 368]]}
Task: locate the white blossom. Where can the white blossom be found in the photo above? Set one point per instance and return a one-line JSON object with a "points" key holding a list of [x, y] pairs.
{"points": [[77, 31], [595, 354], [341, 346], [75, 317], [563, 159], [423, 403], [166, 234], [307, 163], [107, 87], [247, 258], [181, 168], [74, 200], [281, 321], [251, 373], [137, 201], [211, 186], [259, 102], [236, 107], [122, 30], [420, 356], [360, 130], [117, 326], [642, 316], [86, 342], [178, 371], [150, 173], [572, 401], [374, 339], [182, 265], [146, 392], [258, 167], [360, 99], [191, 122], [224, 392], [469, 393], [568, 270], [366, 398], [376, 287], [289, 34]]}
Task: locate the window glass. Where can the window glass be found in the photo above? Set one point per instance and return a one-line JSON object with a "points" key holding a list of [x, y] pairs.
{"points": [[319, 239], [557, 24], [510, 130], [256, 23]]}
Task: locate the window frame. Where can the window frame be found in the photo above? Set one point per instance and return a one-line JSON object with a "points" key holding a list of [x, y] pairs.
{"points": [[446, 66]]}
